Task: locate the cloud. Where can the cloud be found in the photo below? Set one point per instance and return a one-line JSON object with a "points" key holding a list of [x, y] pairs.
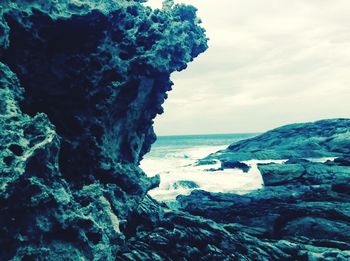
{"points": [[269, 63]]}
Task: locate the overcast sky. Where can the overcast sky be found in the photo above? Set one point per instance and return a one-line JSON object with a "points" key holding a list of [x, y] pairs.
{"points": [[269, 63]]}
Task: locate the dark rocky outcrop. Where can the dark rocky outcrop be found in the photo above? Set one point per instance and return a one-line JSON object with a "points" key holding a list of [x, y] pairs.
{"points": [[185, 184], [306, 205], [235, 165], [342, 161], [225, 164], [325, 138], [175, 235], [303, 173], [81, 82], [303, 203], [231, 227]]}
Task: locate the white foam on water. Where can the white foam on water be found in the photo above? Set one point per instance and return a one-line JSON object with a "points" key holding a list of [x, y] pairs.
{"points": [[177, 166], [321, 160]]}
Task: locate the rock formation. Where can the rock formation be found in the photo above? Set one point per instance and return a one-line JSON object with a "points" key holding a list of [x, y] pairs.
{"points": [[325, 138], [310, 213], [304, 204], [81, 82]]}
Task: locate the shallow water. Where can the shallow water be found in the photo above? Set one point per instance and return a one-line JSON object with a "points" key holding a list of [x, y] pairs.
{"points": [[174, 158]]}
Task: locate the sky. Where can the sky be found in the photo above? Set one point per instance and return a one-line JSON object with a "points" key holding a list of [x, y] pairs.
{"points": [[269, 63]]}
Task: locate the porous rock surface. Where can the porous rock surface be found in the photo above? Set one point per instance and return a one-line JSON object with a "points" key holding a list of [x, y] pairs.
{"points": [[81, 82]]}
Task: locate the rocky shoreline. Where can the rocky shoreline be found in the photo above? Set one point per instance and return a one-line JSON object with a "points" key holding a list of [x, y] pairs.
{"points": [[303, 202], [81, 82], [302, 213], [324, 138]]}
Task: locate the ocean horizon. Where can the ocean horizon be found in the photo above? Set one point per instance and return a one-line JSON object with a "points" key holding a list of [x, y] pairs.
{"points": [[210, 134]]}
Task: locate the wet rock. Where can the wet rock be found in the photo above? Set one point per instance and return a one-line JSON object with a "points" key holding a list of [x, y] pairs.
{"points": [[279, 213], [235, 165], [305, 173], [214, 169], [277, 174], [202, 162], [185, 184], [303, 203], [179, 235], [342, 161]]}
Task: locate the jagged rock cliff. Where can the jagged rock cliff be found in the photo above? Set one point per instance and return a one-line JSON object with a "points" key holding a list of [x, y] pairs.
{"points": [[81, 82]]}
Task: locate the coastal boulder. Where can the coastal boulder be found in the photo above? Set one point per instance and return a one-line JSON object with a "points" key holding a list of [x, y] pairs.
{"points": [[185, 184], [325, 138], [235, 165]]}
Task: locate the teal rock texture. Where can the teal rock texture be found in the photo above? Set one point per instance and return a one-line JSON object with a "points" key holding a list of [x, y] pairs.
{"points": [[81, 82], [325, 138], [304, 207]]}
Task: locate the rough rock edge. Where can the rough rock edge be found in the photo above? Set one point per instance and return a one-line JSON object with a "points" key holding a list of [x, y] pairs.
{"points": [[324, 138], [304, 204], [95, 74]]}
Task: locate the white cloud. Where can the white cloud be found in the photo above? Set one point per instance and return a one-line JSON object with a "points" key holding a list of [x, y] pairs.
{"points": [[269, 63]]}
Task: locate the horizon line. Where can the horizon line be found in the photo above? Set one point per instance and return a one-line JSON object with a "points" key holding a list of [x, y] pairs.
{"points": [[202, 134]]}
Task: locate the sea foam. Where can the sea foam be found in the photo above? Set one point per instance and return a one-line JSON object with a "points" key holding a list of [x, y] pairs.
{"points": [[175, 162]]}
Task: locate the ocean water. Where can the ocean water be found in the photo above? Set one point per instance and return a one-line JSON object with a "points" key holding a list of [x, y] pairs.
{"points": [[174, 158]]}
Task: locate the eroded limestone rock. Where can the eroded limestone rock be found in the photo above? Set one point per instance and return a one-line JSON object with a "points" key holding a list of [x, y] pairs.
{"points": [[81, 82]]}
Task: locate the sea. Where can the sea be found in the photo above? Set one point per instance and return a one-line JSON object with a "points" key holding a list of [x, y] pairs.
{"points": [[174, 159]]}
